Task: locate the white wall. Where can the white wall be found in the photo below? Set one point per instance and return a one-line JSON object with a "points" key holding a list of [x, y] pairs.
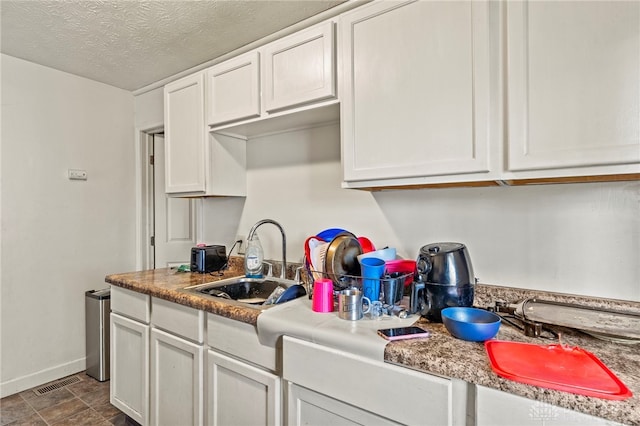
{"points": [[572, 238], [59, 237]]}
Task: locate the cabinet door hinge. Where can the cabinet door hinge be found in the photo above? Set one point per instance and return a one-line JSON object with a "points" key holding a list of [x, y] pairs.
{"points": [[151, 160], [153, 241]]}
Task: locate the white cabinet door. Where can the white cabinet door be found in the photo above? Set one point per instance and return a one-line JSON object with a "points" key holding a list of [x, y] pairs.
{"points": [[383, 390], [491, 410], [415, 89], [300, 69], [306, 407], [129, 367], [185, 148], [233, 89], [573, 84], [241, 394], [176, 378]]}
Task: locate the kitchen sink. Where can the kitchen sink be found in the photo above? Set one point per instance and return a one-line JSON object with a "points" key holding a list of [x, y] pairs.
{"points": [[260, 293]]}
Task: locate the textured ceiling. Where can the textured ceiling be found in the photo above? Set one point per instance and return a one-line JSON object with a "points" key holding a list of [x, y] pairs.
{"points": [[130, 43]]}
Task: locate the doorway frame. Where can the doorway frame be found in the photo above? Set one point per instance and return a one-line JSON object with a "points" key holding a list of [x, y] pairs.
{"points": [[144, 196]]}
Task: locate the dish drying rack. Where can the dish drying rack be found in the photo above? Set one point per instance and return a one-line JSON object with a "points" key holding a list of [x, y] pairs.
{"points": [[342, 281]]}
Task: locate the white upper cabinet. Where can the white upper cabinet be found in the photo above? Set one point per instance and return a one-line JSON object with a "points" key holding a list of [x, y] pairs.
{"points": [[300, 68], [415, 92], [233, 89], [287, 84], [198, 163], [573, 86], [184, 135]]}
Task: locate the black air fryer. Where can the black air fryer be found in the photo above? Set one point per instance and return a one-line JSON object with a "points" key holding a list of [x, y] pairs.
{"points": [[444, 278]]}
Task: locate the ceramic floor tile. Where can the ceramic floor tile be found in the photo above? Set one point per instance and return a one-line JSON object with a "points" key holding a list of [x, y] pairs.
{"points": [[84, 418], [122, 420], [32, 420], [107, 410], [83, 403], [87, 385], [40, 402], [14, 407], [62, 410], [100, 396]]}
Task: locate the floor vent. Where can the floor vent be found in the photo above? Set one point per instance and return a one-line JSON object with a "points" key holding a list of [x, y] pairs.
{"points": [[57, 385]]}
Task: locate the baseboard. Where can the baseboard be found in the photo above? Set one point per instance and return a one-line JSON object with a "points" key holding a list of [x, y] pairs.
{"points": [[29, 381]]}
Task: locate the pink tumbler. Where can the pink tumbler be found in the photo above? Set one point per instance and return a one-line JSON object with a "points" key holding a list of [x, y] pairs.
{"points": [[322, 295]]}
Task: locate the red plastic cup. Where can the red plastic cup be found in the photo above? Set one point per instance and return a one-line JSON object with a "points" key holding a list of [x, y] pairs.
{"points": [[322, 295]]}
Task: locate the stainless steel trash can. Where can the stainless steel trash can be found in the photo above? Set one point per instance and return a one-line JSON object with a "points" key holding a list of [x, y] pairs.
{"points": [[97, 309]]}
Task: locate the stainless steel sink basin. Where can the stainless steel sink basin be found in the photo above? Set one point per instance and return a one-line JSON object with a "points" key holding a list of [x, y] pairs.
{"points": [[260, 293]]}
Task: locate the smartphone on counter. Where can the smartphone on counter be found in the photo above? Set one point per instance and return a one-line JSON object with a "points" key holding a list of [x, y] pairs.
{"points": [[403, 333]]}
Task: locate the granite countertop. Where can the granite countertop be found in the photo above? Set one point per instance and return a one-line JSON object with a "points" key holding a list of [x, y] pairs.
{"points": [[442, 354], [445, 355], [163, 283]]}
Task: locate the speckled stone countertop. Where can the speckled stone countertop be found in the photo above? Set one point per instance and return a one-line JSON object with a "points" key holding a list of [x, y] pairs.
{"points": [[442, 354], [164, 283], [445, 355]]}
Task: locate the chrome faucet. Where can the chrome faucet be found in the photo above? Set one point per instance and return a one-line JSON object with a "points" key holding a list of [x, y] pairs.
{"points": [[284, 242]]}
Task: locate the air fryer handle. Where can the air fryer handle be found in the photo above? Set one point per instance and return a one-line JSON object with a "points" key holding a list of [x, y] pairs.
{"points": [[416, 297]]}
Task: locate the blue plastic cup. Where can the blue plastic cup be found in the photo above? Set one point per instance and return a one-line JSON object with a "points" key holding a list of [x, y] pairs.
{"points": [[372, 270]]}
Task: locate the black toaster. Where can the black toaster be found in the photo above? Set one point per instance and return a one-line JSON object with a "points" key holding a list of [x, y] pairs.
{"points": [[208, 258]]}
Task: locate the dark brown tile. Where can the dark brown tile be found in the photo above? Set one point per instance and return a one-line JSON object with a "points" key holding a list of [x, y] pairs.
{"points": [[40, 402], [13, 408], [62, 410], [97, 397], [84, 418], [87, 385], [107, 410], [123, 420], [32, 420]]}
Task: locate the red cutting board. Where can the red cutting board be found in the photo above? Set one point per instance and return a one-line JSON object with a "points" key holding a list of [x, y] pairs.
{"points": [[560, 367]]}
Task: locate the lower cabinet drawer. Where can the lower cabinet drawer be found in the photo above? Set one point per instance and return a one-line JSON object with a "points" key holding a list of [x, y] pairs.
{"points": [[131, 304], [178, 319], [396, 393], [240, 340]]}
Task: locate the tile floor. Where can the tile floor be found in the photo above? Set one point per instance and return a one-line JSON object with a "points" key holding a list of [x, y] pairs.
{"points": [[82, 403]]}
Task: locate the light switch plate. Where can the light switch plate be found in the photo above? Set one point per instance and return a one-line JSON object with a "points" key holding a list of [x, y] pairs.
{"points": [[75, 174]]}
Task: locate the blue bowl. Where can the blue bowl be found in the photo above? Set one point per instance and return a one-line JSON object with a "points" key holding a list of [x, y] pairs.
{"points": [[474, 325]]}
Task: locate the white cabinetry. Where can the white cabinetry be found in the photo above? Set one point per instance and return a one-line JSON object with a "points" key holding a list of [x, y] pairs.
{"points": [[233, 89], [240, 393], [198, 163], [242, 385], [415, 91], [573, 87], [300, 68], [130, 353], [185, 135], [287, 84], [491, 411], [177, 365], [324, 385]]}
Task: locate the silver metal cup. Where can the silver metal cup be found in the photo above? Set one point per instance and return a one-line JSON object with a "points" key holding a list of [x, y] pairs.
{"points": [[350, 304]]}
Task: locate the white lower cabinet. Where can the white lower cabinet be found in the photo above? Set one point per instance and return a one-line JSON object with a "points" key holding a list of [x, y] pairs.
{"points": [[243, 386], [129, 322], [240, 393], [329, 386], [496, 408], [307, 407], [176, 380], [129, 367]]}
